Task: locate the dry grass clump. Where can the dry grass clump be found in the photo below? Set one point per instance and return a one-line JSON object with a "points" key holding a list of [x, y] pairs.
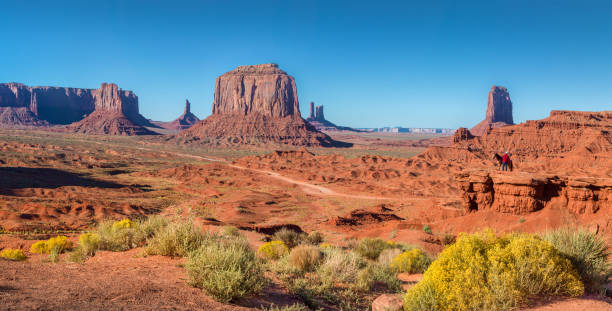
{"points": [[305, 257], [386, 257], [412, 261], [13, 254], [293, 307], [126, 234], [371, 248], [89, 243], [273, 250], [485, 272], [588, 252], [177, 239], [225, 270]]}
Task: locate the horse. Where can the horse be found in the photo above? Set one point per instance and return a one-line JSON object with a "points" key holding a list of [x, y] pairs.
{"points": [[498, 158]]}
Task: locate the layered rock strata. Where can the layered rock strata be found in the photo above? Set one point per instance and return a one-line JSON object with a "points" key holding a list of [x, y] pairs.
{"points": [[525, 193]]}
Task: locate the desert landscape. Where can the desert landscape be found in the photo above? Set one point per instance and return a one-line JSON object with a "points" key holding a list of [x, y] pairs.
{"points": [[260, 206]]}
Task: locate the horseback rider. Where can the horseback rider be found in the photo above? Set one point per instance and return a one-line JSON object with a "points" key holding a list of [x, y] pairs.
{"points": [[505, 161]]}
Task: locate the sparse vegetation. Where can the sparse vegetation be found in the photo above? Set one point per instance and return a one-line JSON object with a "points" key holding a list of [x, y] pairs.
{"points": [[273, 250], [225, 270], [293, 307], [485, 272], [13, 254], [588, 252], [427, 229], [386, 257]]}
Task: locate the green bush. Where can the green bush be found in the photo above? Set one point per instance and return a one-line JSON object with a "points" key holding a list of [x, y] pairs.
{"points": [[118, 236], [371, 248], [273, 250], [427, 229], [305, 257], [225, 271], [288, 236], [485, 272], [13, 254], [376, 273], [412, 261], [89, 243], [588, 252], [177, 239]]}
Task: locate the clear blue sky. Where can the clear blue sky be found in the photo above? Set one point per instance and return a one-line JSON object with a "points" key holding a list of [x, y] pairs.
{"points": [[371, 63]]}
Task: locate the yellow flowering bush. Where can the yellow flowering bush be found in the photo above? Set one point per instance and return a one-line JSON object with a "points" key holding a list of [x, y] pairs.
{"points": [[13, 254], [89, 243], [123, 224], [56, 244], [273, 250], [411, 261], [484, 272], [326, 245]]}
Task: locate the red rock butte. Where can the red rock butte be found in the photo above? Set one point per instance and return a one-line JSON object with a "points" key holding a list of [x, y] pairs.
{"points": [[256, 104], [499, 111]]}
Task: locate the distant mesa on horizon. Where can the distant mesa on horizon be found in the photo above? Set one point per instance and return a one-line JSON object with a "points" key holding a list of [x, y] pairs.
{"points": [[317, 119], [499, 111], [256, 104]]}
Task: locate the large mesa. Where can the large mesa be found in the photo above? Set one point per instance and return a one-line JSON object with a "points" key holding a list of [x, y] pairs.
{"points": [[255, 104]]}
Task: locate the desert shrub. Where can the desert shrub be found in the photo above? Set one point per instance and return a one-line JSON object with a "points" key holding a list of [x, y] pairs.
{"points": [[340, 266], [123, 224], [147, 228], [225, 271], [273, 250], [176, 239], [89, 243], [55, 245], [427, 229], [288, 236], [13, 254], [305, 257], [376, 273], [587, 251], [314, 238], [326, 245], [412, 261], [485, 272], [371, 248], [386, 257]]}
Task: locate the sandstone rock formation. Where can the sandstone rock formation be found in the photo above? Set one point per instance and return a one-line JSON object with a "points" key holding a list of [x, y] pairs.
{"points": [[462, 134], [116, 113], [525, 193], [317, 119], [185, 121], [252, 105], [499, 111], [53, 105]]}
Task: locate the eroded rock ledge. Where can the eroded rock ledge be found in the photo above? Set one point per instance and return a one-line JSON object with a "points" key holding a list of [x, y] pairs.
{"points": [[522, 193]]}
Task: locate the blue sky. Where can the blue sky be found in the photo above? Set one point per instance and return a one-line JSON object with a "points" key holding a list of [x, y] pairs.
{"points": [[370, 63]]}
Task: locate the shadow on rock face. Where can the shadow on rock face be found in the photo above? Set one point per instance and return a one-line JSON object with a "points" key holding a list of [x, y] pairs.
{"points": [[32, 177]]}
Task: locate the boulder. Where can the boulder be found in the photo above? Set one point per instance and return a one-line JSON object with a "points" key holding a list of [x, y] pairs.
{"points": [[388, 302]]}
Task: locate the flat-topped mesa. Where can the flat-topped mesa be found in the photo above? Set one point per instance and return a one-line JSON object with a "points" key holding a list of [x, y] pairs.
{"points": [[262, 89], [499, 111], [110, 97]]}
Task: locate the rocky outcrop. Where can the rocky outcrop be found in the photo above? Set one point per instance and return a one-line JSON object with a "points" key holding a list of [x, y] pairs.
{"points": [[499, 111], [53, 105], [185, 121], [462, 134], [255, 105], [116, 113], [18, 117], [317, 119], [525, 193]]}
